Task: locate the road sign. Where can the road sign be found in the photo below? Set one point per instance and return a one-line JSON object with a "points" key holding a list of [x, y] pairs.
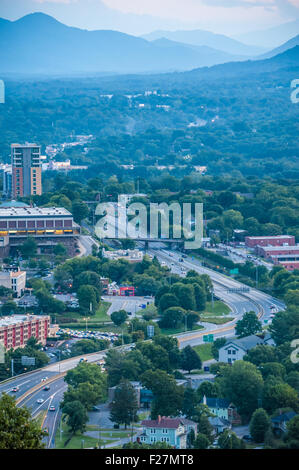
{"points": [[28, 361], [208, 339], [234, 271]]}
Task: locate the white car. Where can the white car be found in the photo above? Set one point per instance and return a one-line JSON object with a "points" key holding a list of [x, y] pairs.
{"points": [[44, 379], [40, 400]]}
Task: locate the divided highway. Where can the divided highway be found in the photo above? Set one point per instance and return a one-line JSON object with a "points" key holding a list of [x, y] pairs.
{"points": [[240, 303]]}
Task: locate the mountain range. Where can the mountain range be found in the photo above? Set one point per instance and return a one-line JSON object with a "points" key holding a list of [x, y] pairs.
{"points": [[39, 44], [206, 38], [272, 37]]}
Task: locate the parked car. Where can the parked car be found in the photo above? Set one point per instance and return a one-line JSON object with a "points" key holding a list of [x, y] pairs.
{"points": [[247, 438]]}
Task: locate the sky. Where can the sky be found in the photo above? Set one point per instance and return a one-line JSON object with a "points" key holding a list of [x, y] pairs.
{"points": [[137, 17]]}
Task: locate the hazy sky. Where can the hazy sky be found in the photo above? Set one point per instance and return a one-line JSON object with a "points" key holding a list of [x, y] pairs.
{"points": [[142, 16]]}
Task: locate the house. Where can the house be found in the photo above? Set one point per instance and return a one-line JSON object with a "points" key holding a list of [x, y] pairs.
{"points": [[236, 349], [279, 422], [219, 424], [173, 431], [223, 409]]}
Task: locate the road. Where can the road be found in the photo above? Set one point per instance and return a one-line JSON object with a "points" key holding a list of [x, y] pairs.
{"points": [[256, 300], [129, 304], [239, 303]]}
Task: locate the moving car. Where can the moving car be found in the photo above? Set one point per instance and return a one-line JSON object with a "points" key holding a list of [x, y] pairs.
{"points": [[15, 389], [52, 408], [40, 400], [46, 388]]}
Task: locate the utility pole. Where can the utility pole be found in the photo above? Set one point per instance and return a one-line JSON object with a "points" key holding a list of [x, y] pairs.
{"points": [[12, 367]]}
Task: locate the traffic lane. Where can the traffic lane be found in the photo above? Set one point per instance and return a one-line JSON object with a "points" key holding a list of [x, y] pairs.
{"points": [[264, 299], [53, 416], [130, 304], [197, 341], [72, 363], [45, 395], [25, 383]]}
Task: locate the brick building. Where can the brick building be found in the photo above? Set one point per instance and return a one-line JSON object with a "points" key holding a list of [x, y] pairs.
{"points": [[16, 330], [280, 240]]}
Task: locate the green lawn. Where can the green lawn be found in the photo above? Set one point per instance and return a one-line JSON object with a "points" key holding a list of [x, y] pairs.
{"points": [[204, 351], [99, 318], [219, 309], [215, 320], [181, 329], [76, 441]]}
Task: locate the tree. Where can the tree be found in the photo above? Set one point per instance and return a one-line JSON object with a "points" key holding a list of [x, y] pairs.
{"points": [[87, 297], [242, 384], [192, 319], [293, 429], [173, 317], [48, 303], [59, 250], [79, 211], [29, 248], [9, 308], [119, 317], [17, 429], [200, 297], [249, 325], [190, 360], [262, 353], [284, 326], [229, 440], [189, 402], [167, 301], [201, 442], [168, 396], [123, 408], [278, 394], [259, 425], [76, 416]]}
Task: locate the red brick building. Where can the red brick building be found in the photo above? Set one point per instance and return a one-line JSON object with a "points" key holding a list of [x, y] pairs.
{"points": [[269, 251], [16, 330], [280, 240]]}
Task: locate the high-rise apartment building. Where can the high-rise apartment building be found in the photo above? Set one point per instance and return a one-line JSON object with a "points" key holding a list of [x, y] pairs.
{"points": [[26, 170]]}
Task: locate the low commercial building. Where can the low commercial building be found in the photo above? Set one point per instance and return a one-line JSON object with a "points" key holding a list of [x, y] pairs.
{"points": [[173, 431], [280, 240], [277, 251], [16, 330], [133, 256], [14, 280], [290, 265], [48, 226]]}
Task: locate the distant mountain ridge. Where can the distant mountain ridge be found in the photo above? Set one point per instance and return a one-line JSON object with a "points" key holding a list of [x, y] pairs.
{"points": [[284, 47], [39, 44], [272, 37], [206, 38]]}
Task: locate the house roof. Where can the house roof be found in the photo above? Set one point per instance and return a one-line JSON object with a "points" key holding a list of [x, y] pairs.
{"points": [[215, 421], [284, 417], [166, 422], [246, 343], [218, 403]]}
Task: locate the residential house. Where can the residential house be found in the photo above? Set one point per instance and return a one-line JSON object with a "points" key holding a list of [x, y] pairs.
{"points": [[279, 422], [219, 424], [173, 431], [236, 349], [223, 409]]}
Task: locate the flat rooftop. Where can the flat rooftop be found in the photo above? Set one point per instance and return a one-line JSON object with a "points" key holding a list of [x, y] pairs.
{"points": [[280, 248], [26, 212], [276, 237], [17, 319]]}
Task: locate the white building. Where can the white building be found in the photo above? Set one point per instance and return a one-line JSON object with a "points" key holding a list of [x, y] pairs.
{"points": [[236, 349], [15, 280]]}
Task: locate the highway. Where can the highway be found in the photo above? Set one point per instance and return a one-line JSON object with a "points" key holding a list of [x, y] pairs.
{"points": [[255, 300], [239, 303]]}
